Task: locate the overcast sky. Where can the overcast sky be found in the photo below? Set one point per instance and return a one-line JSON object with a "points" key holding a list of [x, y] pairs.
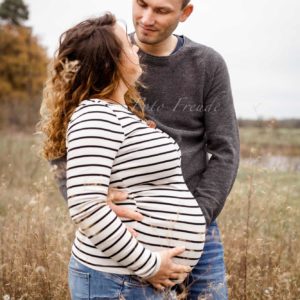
{"points": [[259, 40]]}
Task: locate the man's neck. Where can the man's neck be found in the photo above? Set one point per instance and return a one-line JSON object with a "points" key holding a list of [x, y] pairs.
{"points": [[163, 48]]}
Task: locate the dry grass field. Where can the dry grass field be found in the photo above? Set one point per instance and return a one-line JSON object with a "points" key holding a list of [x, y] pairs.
{"points": [[260, 225]]}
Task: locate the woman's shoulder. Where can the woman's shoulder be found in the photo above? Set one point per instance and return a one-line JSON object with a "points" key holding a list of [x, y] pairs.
{"points": [[90, 108], [94, 114]]}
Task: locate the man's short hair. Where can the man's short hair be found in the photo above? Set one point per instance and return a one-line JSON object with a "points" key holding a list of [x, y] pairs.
{"points": [[185, 3]]}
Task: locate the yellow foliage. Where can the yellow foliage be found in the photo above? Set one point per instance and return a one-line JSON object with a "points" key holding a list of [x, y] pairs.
{"points": [[23, 64]]}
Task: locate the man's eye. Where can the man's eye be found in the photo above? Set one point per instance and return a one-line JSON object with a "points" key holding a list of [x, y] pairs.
{"points": [[163, 11]]}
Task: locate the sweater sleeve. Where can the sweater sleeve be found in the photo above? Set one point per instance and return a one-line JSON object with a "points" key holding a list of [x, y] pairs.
{"points": [[94, 137], [222, 142], [58, 167]]}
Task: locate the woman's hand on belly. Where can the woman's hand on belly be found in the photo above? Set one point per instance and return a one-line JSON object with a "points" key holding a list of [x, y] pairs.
{"points": [[168, 270], [116, 195]]}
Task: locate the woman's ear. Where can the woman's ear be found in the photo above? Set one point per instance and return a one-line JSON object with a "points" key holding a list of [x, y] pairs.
{"points": [[186, 12]]}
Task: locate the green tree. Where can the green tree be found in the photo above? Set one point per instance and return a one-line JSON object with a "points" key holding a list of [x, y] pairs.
{"points": [[14, 11]]}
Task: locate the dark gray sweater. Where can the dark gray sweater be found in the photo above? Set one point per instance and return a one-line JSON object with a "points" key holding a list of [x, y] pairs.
{"points": [[188, 95]]}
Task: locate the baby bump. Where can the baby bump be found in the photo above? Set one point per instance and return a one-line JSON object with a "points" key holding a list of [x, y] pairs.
{"points": [[166, 225]]}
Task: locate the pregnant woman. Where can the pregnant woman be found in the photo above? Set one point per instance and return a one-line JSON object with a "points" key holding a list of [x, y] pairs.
{"points": [[95, 115]]}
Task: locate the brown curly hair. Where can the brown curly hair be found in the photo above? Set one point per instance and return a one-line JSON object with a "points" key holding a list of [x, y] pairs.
{"points": [[86, 66]]}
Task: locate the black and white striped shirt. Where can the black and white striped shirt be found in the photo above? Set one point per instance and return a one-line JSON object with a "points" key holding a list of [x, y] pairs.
{"points": [[109, 146]]}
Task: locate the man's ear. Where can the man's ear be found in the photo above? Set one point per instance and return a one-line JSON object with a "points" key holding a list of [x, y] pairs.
{"points": [[186, 12]]}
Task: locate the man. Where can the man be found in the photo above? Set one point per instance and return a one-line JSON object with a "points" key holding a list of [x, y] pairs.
{"points": [[187, 94]]}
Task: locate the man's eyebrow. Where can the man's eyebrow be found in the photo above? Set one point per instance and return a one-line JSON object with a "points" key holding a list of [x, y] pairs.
{"points": [[157, 7], [163, 7]]}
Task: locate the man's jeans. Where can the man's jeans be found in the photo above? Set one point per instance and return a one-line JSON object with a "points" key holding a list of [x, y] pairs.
{"points": [[207, 280]]}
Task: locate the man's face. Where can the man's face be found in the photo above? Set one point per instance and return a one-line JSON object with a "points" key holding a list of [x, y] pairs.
{"points": [[155, 20]]}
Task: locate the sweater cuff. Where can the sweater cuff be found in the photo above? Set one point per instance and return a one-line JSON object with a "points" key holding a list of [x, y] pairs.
{"points": [[156, 268]]}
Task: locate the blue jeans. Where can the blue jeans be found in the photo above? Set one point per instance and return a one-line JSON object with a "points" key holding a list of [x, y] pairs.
{"points": [[88, 284], [208, 279]]}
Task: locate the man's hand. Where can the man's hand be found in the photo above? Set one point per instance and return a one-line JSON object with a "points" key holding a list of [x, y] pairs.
{"points": [[115, 195], [169, 273]]}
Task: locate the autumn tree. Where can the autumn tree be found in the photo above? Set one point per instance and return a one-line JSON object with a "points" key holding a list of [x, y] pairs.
{"points": [[23, 64]]}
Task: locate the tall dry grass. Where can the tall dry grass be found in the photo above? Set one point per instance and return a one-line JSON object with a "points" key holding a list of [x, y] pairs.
{"points": [[35, 230], [260, 228]]}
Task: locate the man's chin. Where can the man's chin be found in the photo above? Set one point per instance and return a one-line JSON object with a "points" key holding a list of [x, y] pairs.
{"points": [[145, 39]]}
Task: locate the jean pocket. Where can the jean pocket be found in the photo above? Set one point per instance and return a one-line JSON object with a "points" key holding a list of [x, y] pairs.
{"points": [[79, 284]]}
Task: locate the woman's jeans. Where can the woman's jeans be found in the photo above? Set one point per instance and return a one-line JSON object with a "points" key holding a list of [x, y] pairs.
{"points": [[88, 284], [207, 280]]}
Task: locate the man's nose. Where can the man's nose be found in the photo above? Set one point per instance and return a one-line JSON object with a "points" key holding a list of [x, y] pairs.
{"points": [[147, 17]]}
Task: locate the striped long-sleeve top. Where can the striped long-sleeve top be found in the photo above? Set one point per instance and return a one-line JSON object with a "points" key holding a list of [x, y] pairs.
{"points": [[109, 146]]}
